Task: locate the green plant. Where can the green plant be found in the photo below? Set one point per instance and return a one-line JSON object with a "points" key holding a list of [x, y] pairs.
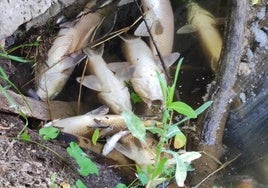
{"points": [[6, 53], [86, 166], [167, 163]]}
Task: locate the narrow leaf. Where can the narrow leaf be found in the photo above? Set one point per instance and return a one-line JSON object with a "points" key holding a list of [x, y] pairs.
{"points": [[80, 184], [203, 107], [159, 168], [24, 136], [121, 185], [135, 125], [199, 110], [95, 136]]}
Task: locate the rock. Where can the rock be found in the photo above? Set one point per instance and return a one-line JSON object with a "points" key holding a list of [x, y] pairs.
{"points": [[15, 13]]}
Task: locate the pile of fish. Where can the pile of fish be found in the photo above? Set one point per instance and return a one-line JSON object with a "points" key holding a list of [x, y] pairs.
{"points": [[142, 69]]}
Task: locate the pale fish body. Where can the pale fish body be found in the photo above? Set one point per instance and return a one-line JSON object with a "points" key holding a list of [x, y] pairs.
{"points": [[144, 79], [112, 91], [82, 125], [65, 53], [142, 153], [204, 23], [160, 19]]}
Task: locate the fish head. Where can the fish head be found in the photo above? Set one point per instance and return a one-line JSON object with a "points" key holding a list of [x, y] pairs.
{"points": [[150, 92], [198, 16], [118, 101]]}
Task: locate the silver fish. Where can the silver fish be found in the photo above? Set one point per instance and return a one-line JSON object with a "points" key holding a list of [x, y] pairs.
{"points": [[65, 53], [203, 22], [84, 125], [160, 19], [142, 153], [144, 79], [112, 91]]}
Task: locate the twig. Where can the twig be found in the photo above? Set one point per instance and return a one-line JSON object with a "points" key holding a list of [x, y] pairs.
{"points": [[59, 109], [214, 172], [157, 50], [114, 34]]}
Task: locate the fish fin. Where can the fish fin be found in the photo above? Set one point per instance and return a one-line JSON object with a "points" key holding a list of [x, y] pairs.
{"points": [[186, 29], [124, 2], [112, 142], [72, 60], [169, 60], [141, 30], [118, 66], [153, 23], [123, 70], [91, 82], [103, 110]]}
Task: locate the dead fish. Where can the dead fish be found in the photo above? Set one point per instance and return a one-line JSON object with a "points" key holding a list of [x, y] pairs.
{"points": [[65, 53], [84, 125], [112, 91], [160, 19], [142, 153], [144, 78], [203, 22], [81, 125], [112, 141]]}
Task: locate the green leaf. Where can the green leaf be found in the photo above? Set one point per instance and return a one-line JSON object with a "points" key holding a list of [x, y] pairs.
{"points": [[24, 136], [171, 90], [188, 157], [15, 58], [80, 184], [203, 107], [172, 131], [180, 138], [163, 85], [160, 167], [121, 185], [182, 108], [86, 166], [49, 133], [135, 125], [142, 176], [181, 171], [95, 136], [155, 130], [135, 98], [199, 110]]}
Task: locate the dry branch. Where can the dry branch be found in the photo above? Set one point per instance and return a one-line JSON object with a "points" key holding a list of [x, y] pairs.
{"points": [[222, 92], [37, 109]]}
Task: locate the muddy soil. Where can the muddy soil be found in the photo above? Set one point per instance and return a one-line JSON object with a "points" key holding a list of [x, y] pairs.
{"points": [[25, 164]]}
